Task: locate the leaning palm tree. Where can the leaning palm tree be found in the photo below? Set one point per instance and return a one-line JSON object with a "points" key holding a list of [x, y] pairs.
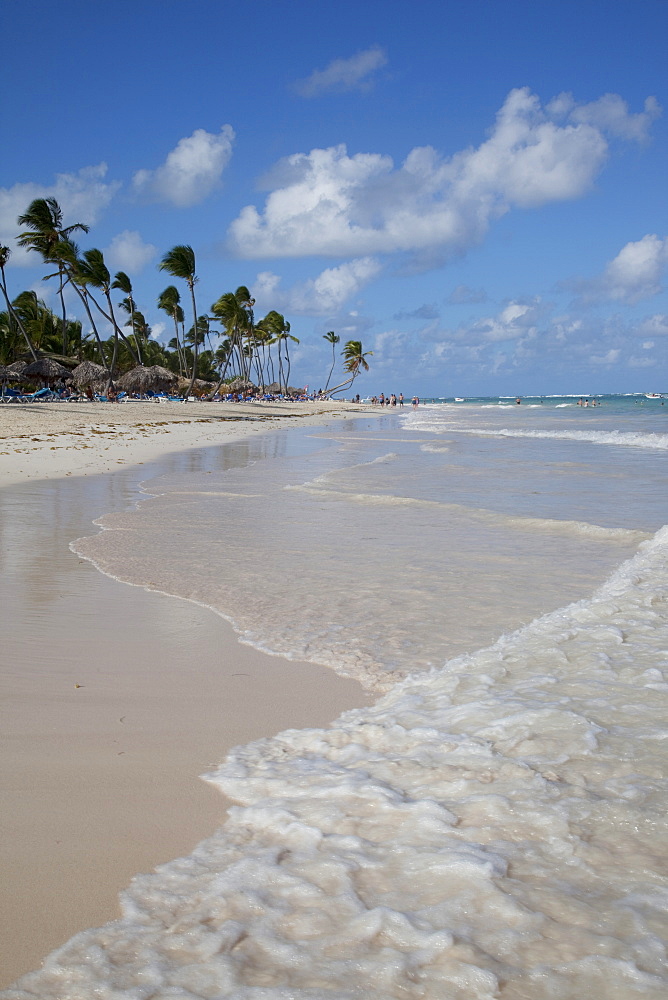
{"points": [[354, 359], [169, 301], [333, 340], [180, 263], [68, 253], [123, 283], [92, 270], [5, 253], [44, 219]]}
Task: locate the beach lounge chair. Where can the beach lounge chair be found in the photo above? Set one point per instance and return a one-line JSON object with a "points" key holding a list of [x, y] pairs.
{"points": [[41, 394], [12, 396]]}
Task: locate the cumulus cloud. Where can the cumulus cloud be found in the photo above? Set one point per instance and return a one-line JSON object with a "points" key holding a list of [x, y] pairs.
{"points": [[636, 271], [343, 74], [641, 362], [158, 329], [191, 171], [610, 113], [128, 252], [323, 295], [328, 202], [82, 196], [634, 274], [517, 319], [654, 326], [610, 358]]}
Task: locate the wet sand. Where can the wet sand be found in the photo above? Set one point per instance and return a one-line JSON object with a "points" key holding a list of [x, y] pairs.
{"points": [[114, 700]]}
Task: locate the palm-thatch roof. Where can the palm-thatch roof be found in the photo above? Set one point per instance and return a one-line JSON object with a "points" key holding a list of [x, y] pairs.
{"points": [[199, 386], [142, 379], [239, 385], [89, 373], [165, 373], [17, 367], [46, 369]]}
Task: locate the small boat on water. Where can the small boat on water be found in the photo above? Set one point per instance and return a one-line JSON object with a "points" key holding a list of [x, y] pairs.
{"points": [[459, 399], [654, 395]]}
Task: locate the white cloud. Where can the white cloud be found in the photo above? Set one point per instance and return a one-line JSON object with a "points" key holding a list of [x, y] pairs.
{"points": [[654, 326], [82, 197], [634, 274], [343, 74], [328, 202], [157, 330], [191, 171], [317, 296], [636, 271], [517, 319], [610, 113], [606, 359], [636, 362], [128, 252]]}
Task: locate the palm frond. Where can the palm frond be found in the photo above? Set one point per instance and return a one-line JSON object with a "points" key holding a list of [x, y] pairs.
{"points": [[179, 262]]}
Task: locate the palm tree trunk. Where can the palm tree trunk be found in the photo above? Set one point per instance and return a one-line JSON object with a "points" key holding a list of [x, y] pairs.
{"points": [[84, 299], [62, 305], [117, 329], [342, 385], [132, 323], [179, 352], [16, 319], [331, 370], [192, 381]]}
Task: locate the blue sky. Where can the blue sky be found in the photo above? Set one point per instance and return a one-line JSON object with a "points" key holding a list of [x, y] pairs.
{"points": [[476, 190]]}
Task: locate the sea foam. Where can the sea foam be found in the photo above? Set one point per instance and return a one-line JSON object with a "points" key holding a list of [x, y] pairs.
{"points": [[488, 829]]}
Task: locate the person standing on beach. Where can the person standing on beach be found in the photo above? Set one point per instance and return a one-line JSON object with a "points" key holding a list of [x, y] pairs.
{"points": [[401, 399], [416, 402]]}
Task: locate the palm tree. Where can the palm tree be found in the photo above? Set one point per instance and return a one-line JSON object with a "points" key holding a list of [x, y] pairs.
{"points": [[5, 253], [230, 312], [280, 330], [92, 270], [354, 359], [180, 263], [123, 283], [68, 253], [333, 340], [169, 301], [246, 301], [44, 219]]}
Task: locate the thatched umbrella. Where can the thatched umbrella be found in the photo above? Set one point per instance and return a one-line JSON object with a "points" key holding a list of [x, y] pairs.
{"points": [[45, 369], [17, 368], [199, 386], [164, 373], [6, 375], [239, 385], [141, 379], [89, 373]]}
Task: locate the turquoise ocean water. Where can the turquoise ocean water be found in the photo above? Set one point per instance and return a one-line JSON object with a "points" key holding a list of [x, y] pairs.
{"points": [[494, 825]]}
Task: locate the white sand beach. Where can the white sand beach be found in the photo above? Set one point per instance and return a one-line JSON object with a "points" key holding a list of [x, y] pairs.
{"points": [[115, 699]]}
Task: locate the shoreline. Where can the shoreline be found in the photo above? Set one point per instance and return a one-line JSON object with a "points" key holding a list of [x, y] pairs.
{"points": [[47, 440], [106, 734]]}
